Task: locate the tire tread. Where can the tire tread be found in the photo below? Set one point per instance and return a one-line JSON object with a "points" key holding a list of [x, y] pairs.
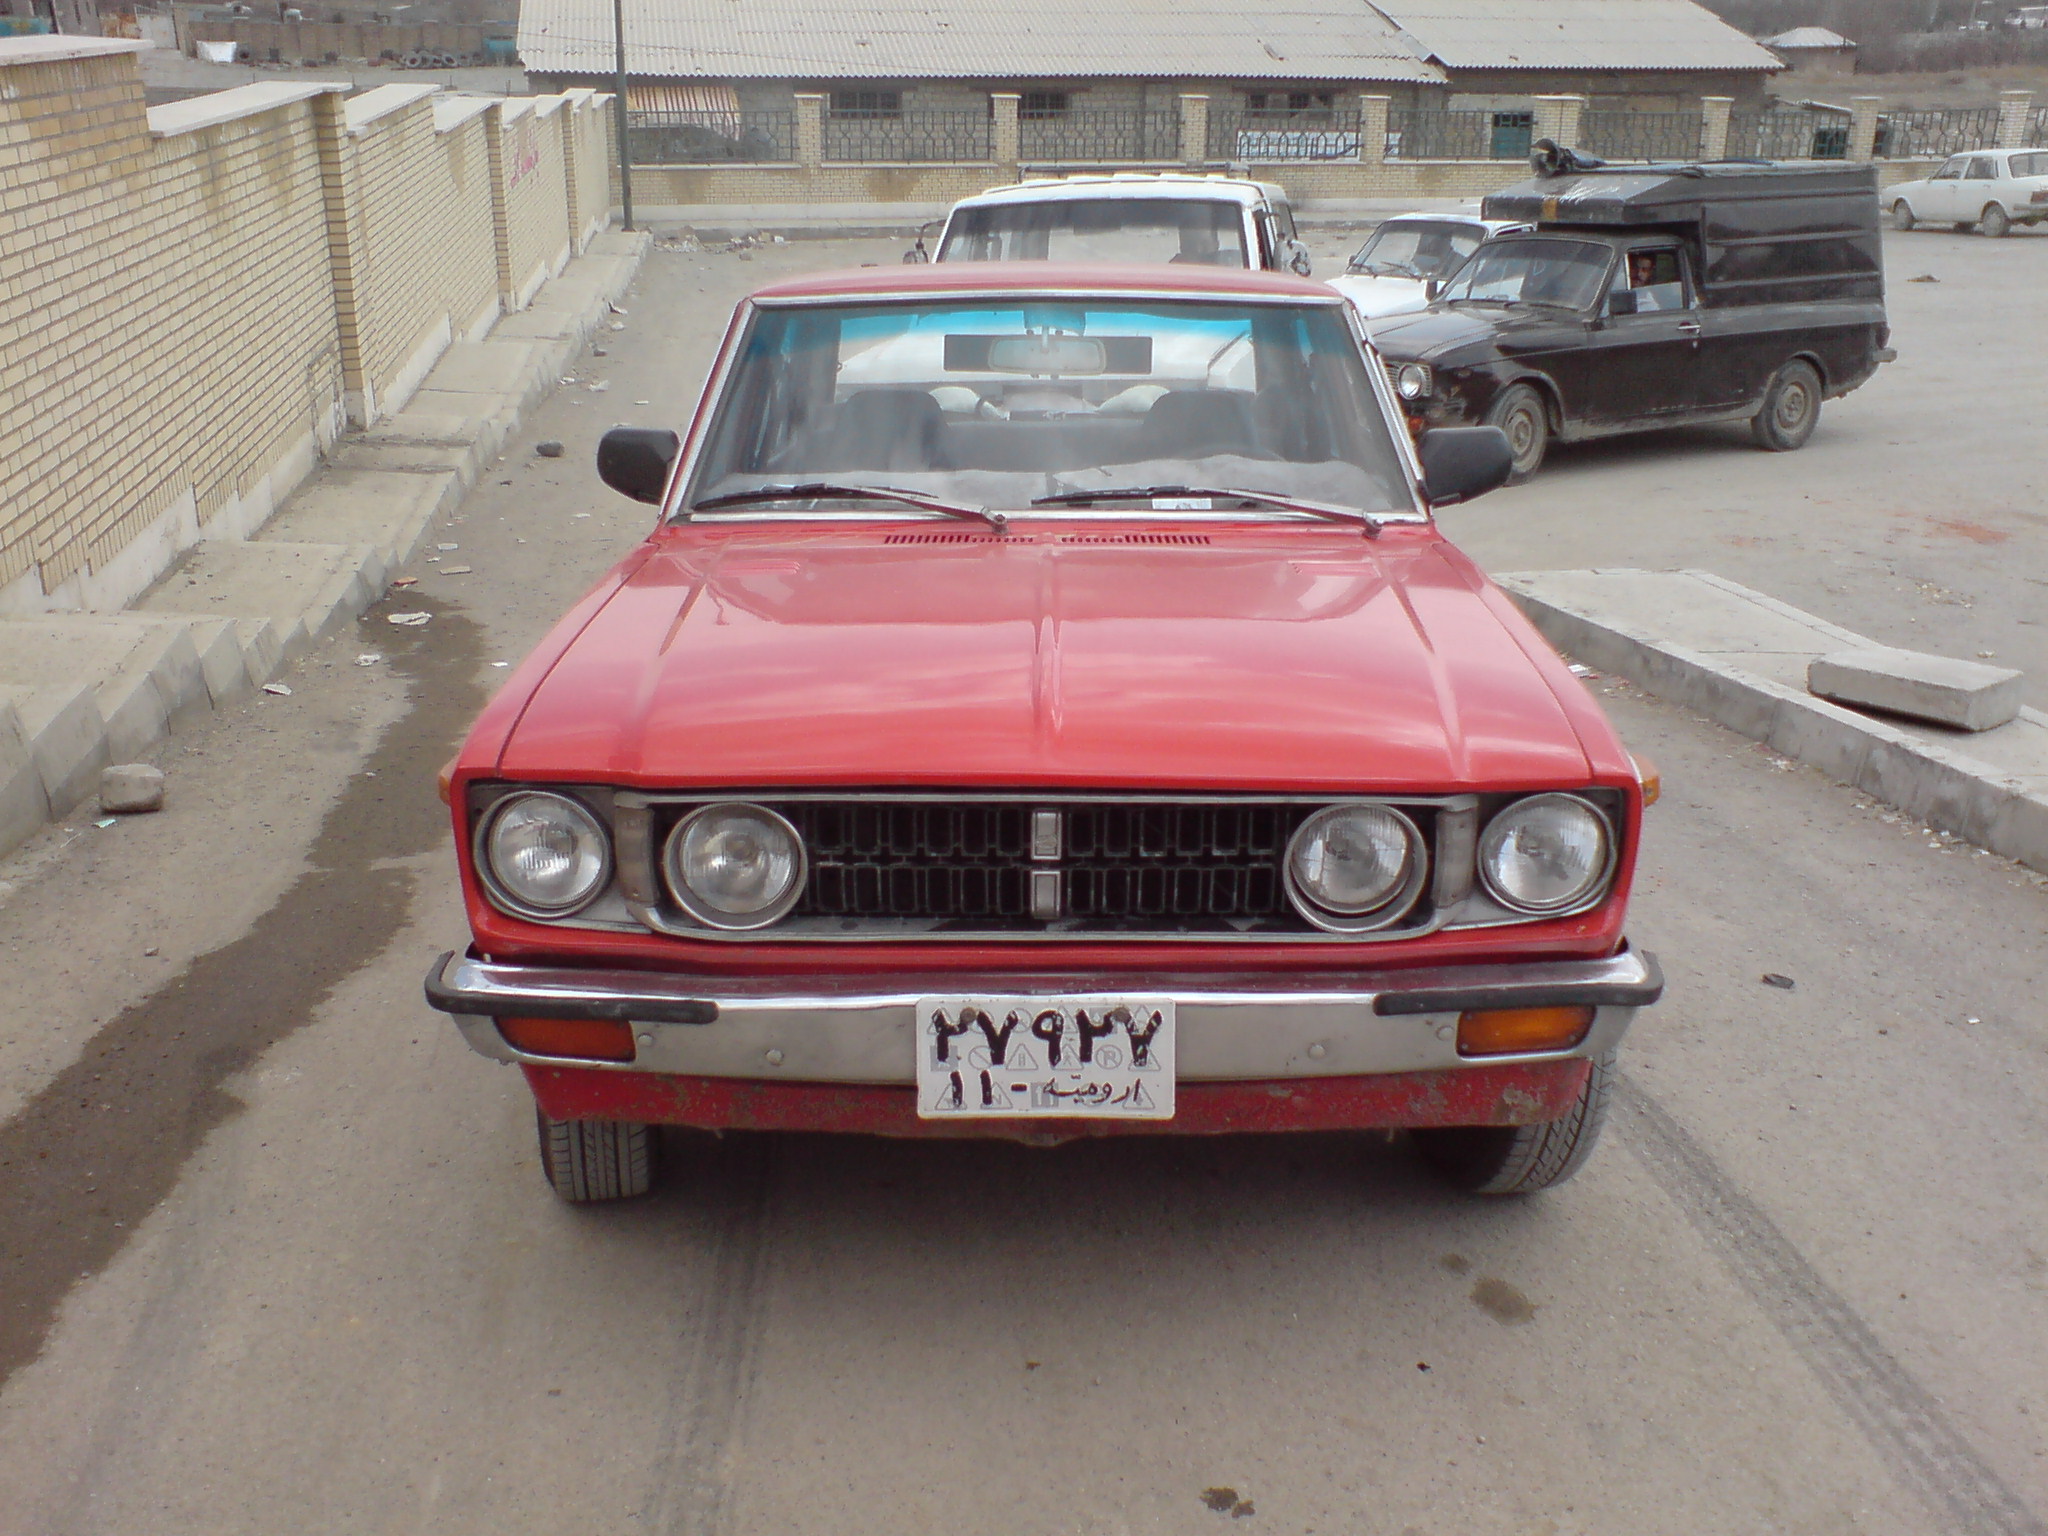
{"points": [[590, 1160]]}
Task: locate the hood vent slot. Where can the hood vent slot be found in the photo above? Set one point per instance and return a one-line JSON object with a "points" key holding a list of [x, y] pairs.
{"points": [[947, 538], [1133, 538]]}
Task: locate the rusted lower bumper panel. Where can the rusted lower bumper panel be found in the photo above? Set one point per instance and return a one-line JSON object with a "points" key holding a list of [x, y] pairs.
{"points": [[1518, 1094]]}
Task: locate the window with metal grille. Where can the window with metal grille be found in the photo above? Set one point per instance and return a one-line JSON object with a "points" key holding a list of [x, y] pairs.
{"points": [[1037, 105], [867, 104]]}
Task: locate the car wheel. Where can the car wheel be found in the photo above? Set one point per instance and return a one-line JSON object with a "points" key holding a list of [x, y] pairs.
{"points": [[1902, 215], [1993, 223], [1520, 1159], [1790, 410], [1522, 415], [588, 1160]]}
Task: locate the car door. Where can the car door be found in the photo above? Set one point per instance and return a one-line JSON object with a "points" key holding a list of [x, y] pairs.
{"points": [[1942, 195], [1644, 357], [1978, 187]]}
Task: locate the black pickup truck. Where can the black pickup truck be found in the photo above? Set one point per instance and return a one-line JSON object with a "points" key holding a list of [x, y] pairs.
{"points": [[1654, 296]]}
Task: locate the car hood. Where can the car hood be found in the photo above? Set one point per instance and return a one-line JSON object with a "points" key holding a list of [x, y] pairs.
{"points": [[1275, 657], [1438, 332], [1374, 296]]}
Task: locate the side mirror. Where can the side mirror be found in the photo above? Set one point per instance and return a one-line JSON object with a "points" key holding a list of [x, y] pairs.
{"points": [[917, 254], [1621, 302], [635, 461], [1431, 287], [1296, 258], [1459, 463]]}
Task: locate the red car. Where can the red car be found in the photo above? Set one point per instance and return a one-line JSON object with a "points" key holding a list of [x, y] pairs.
{"points": [[1045, 708]]}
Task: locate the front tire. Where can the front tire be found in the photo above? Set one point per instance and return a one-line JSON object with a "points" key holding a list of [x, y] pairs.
{"points": [[1902, 215], [1521, 1159], [1791, 409], [1994, 223], [591, 1160], [1520, 412]]}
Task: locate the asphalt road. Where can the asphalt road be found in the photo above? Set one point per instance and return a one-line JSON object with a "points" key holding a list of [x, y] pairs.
{"points": [[275, 1252]]}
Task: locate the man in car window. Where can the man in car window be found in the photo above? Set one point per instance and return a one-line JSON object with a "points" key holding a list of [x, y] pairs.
{"points": [[1654, 277]]}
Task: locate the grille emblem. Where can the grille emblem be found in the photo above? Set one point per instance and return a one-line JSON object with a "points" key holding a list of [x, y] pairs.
{"points": [[1045, 894], [1045, 837]]}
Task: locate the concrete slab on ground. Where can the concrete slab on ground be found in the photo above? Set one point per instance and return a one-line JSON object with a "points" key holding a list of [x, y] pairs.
{"points": [[303, 591], [1740, 658], [388, 509], [23, 804]]}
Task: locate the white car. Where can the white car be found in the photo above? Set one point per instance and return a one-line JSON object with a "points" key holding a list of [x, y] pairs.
{"points": [[1211, 221], [1392, 272], [1993, 189]]}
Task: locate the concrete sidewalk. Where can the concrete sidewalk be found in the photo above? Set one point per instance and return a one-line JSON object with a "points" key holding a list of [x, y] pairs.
{"points": [[80, 691], [1740, 658]]}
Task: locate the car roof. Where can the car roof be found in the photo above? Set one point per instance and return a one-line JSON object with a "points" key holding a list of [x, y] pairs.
{"points": [[1131, 184], [979, 278], [1492, 226]]}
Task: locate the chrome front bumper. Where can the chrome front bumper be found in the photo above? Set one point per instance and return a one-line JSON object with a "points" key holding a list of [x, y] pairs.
{"points": [[862, 1029]]}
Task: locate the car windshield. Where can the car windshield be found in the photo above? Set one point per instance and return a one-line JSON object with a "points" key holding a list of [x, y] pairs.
{"points": [[1569, 273], [1418, 250], [1201, 231], [1003, 402]]}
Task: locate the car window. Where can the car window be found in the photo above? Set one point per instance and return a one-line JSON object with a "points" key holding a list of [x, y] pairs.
{"points": [[1983, 168], [2030, 165], [1201, 231], [1418, 250], [1655, 275], [1951, 171], [1000, 401], [1283, 220], [1559, 272]]}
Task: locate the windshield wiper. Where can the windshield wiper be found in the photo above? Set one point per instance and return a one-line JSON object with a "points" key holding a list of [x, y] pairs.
{"points": [[1334, 513], [815, 490]]}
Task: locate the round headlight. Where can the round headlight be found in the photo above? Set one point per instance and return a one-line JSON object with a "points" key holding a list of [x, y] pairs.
{"points": [[735, 866], [1546, 853], [544, 854], [1412, 382], [1349, 865]]}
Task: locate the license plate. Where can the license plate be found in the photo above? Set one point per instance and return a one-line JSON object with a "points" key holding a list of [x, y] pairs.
{"points": [[1096, 1058]]}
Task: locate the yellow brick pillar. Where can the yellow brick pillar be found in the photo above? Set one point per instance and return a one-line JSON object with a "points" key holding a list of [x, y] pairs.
{"points": [[1714, 113], [1372, 129], [1003, 141], [2015, 110], [344, 249], [1557, 119], [810, 129], [1863, 128], [1194, 128]]}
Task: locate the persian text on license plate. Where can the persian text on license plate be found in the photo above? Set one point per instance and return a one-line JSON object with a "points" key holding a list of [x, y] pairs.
{"points": [[1094, 1057]]}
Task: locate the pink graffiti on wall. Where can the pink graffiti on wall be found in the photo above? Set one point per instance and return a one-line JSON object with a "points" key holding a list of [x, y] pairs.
{"points": [[525, 154]]}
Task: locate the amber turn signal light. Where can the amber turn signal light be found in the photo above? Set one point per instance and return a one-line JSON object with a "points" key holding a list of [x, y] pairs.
{"points": [[444, 781], [1512, 1031], [591, 1039], [1648, 776]]}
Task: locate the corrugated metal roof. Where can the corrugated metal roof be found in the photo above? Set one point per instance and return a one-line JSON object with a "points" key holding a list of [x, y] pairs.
{"points": [[1575, 34], [974, 39], [1808, 37]]}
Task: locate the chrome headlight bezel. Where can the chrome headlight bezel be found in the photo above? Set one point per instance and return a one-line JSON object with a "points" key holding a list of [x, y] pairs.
{"points": [[500, 890], [1413, 381], [1397, 904], [693, 904], [1588, 895]]}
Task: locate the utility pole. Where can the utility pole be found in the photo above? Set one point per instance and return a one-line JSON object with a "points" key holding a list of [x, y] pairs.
{"points": [[619, 109]]}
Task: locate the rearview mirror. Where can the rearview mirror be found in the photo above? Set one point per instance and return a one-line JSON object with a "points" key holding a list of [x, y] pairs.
{"points": [[1459, 463], [635, 461]]}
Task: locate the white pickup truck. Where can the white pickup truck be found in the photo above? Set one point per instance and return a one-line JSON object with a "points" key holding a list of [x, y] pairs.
{"points": [[1214, 221]]}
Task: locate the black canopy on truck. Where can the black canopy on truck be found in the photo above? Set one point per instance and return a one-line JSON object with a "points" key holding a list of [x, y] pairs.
{"points": [[1767, 234]]}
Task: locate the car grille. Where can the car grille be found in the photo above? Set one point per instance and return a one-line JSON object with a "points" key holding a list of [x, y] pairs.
{"points": [[1116, 863]]}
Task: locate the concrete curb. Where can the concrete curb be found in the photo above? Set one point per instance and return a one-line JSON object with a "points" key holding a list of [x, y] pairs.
{"points": [[81, 691], [1711, 645]]}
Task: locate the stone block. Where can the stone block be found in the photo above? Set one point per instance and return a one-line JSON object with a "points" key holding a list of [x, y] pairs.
{"points": [[1964, 694], [129, 789], [24, 807]]}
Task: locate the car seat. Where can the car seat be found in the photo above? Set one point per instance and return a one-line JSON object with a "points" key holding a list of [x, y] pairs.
{"points": [[900, 429], [1193, 423]]}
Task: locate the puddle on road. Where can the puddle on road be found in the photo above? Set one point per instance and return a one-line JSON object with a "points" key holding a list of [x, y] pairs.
{"points": [[88, 1158], [1502, 1302]]}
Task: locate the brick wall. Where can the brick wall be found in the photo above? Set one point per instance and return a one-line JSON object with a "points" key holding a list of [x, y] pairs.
{"points": [[194, 298]]}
